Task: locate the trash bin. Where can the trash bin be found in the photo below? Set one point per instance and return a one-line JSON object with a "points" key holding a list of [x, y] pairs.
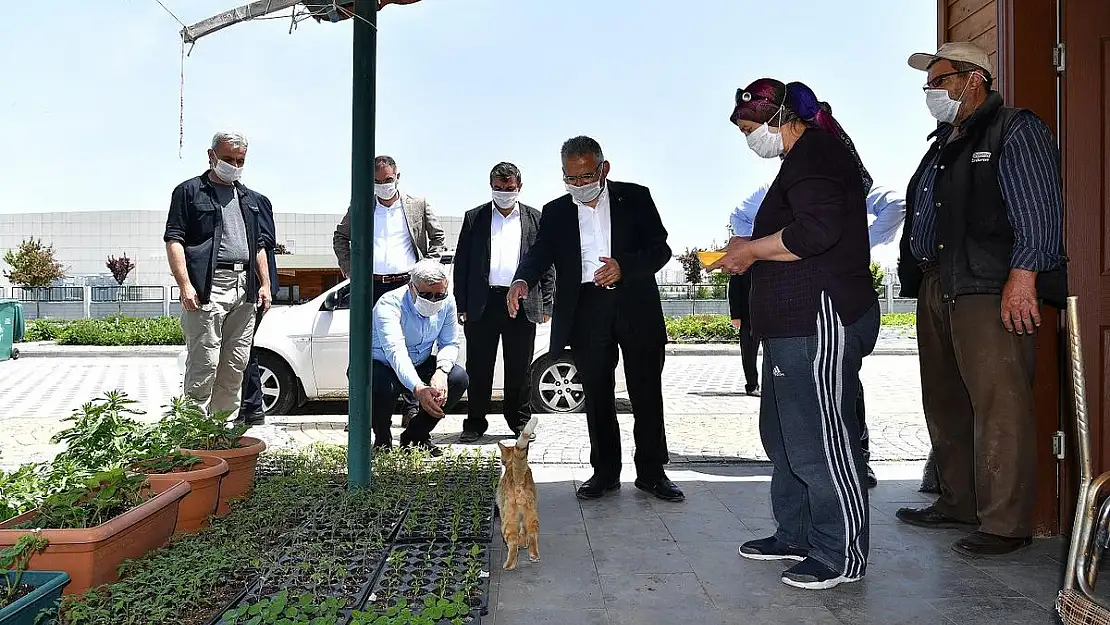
{"points": [[11, 328]]}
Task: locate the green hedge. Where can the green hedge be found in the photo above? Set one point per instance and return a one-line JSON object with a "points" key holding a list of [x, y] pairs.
{"points": [[112, 331], [718, 328]]}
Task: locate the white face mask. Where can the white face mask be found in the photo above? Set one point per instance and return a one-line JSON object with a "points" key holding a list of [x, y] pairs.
{"points": [[505, 199], [424, 307], [227, 172], [585, 194], [941, 105], [385, 191], [764, 143]]}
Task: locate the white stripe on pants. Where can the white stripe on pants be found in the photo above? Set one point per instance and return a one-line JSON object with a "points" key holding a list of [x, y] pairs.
{"points": [[218, 340]]}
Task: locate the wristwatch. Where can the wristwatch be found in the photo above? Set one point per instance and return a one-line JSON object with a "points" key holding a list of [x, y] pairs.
{"points": [[444, 367]]}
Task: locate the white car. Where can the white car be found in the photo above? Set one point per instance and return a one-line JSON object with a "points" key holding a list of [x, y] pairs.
{"points": [[303, 356]]}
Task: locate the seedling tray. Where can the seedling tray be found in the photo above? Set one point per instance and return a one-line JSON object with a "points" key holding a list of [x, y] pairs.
{"points": [[409, 560], [430, 527]]}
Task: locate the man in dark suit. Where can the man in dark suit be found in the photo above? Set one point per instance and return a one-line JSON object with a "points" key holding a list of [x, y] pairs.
{"points": [[739, 291], [494, 237], [606, 242], [251, 410]]}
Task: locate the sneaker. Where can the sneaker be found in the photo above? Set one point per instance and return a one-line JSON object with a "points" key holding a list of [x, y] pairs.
{"points": [[810, 574], [771, 549]]}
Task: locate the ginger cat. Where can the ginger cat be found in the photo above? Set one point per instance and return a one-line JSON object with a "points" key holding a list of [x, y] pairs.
{"points": [[517, 499]]}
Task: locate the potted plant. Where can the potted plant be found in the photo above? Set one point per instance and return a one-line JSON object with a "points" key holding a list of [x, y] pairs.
{"points": [[26, 595], [203, 474], [186, 426], [92, 529]]}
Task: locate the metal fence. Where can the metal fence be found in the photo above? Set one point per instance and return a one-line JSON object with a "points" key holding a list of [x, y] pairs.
{"points": [[96, 302]]}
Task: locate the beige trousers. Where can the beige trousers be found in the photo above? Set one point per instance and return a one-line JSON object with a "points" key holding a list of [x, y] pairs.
{"points": [[218, 340]]}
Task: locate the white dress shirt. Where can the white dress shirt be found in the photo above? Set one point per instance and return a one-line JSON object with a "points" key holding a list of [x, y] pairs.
{"points": [[504, 246], [393, 248], [594, 232], [886, 210]]}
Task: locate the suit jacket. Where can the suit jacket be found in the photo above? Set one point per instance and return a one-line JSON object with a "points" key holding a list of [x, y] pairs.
{"points": [[472, 260], [268, 232], [638, 242], [424, 229]]}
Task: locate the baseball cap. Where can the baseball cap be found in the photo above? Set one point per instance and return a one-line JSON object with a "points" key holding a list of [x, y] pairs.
{"points": [[954, 51]]}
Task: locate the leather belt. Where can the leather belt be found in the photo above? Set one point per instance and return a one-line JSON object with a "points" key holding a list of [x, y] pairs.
{"points": [[391, 278], [232, 266]]}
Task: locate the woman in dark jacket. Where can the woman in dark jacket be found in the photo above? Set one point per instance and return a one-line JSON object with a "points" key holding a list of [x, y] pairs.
{"points": [[815, 310]]}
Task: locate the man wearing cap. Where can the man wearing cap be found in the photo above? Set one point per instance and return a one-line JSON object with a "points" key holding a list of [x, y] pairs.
{"points": [[981, 249]]}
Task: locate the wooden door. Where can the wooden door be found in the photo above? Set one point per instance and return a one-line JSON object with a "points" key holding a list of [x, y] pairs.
{"points": [[1086, 35]]}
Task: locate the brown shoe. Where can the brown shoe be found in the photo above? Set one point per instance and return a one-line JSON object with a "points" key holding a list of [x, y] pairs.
{"points": [[982, 544], [929, 517]]}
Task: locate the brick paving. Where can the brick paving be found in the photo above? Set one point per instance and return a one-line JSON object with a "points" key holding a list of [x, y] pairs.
{"points": [[709, 419]]}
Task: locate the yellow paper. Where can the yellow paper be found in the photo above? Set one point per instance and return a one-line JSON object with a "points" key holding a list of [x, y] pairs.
{"points": [[707, 258]]}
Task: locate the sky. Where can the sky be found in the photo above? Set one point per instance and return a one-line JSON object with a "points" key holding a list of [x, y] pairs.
{"points": [[92, 91]]}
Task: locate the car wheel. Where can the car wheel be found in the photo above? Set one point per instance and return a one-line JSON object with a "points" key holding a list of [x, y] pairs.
{"points": [[279, 386], [556, 385]]}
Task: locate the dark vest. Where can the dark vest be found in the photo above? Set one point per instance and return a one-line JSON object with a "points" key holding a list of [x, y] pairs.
{"points": [[974, 236]]}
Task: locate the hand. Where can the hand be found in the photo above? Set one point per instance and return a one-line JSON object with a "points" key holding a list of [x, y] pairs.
{"points": [[738, 257], [189, 299], [546, 318], [346, 274], [517, 292], [439, 385], [736, 323], [1021, 313], [462, 317], [264, 298], [609, 274], [429, 401]]}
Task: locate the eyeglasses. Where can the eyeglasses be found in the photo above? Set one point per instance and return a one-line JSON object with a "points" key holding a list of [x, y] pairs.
{"points": [[431, 297], [586, 178], [939, 80]]}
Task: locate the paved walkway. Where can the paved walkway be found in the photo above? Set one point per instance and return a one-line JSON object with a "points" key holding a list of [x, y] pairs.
{"points": [[630, 559], [709, 419]]}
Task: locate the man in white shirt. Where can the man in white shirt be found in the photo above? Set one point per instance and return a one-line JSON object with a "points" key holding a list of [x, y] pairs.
{"points": [[408, 324], [405, 230], [494, 237], [606, 242], [886, 210]]}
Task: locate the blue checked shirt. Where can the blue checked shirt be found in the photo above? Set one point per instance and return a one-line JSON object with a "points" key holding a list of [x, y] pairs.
{"points": [[1029, 176]]}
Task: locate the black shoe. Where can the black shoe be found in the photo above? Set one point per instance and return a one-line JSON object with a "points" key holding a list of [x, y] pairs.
{"points": [[469, 437], [433, 450], [930, 481], [870, 479], [407, 414], [753, 391], [662, 488], [771, 548], [982, 544], [255, 419], [811, 574], [595, 488], [383, 448], [928, 517]]}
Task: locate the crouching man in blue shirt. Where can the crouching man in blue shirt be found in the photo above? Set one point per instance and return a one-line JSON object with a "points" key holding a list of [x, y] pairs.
{"points": [[407, 324]]}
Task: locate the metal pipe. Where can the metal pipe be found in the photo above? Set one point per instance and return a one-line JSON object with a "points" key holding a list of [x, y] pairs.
{"points": [[234, 16], [1084, 512], [364, 53]]}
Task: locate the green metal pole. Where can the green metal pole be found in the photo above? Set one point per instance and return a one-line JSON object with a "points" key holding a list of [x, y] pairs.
{"points": [[362, 240]]}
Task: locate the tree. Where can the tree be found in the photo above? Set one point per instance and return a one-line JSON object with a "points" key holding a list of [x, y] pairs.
{"points": [[281, 249], [691, 268], [33, 266], [120, 267]]}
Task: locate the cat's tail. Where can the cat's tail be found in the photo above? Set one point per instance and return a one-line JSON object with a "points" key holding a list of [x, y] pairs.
{"points": [[526, 433]]}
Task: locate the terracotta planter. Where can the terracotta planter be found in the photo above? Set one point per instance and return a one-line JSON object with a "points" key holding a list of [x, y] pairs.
{"points": [[241, 462], [92, 556], [202, 500]]}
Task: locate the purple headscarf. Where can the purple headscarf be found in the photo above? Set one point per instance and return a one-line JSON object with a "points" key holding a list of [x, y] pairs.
{"points": [[762, 101]]}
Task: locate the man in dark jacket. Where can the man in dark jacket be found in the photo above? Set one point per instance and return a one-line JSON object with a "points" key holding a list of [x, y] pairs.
{"points": [[493, 239], [217, 255], [606, 242], [982, 247]]}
